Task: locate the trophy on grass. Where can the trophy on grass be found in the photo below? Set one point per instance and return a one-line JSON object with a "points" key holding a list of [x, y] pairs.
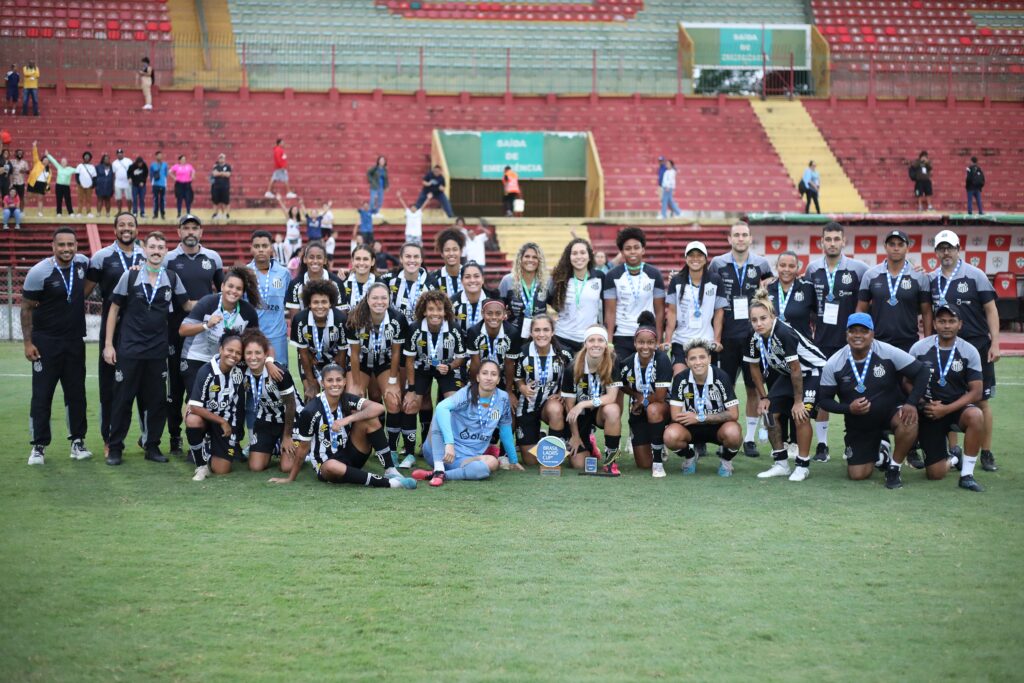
{"points": [[550, 453]]}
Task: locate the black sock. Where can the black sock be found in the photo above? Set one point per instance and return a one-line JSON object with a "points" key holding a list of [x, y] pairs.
{"points": [[657, 441], [360, 477], [562, 433], [611, 448], [195, 437], [803, 462], [379, 442], [409, 433], [728, 454], [393, 422], [780, 455], [426, 415]]}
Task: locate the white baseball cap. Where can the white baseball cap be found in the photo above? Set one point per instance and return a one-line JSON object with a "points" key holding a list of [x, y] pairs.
{"points": [[699, 246], [947, 237]]}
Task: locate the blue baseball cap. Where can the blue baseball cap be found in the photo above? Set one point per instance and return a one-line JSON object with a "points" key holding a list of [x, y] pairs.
{"points": [[862, 319]]}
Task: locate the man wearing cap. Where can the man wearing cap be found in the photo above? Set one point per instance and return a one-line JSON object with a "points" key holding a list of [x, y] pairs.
{"points": [[951, 400], [122, 185], [836, 279], [741, 272], [865, 375], [201, 271]]}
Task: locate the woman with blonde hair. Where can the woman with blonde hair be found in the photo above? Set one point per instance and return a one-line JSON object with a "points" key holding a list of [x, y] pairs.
{"points": [[525, 289], [590, 392]]}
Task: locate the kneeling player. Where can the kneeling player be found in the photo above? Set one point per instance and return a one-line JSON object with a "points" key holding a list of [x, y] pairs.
{"points": [[865, 374], [216, 409], [646, 377], [590, 388], [338, 431], [703, 409], [273, 402], [953, 393]]}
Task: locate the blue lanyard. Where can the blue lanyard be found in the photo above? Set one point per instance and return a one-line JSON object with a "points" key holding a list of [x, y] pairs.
{"points": [[644, 378], [943, 370], [695, 294], [943, 289], [264, 290], [784, 300], [860, 376], [377, 337], [482, 408], [228, 322], [337, 438], [894, 283], [412, 293], [257, 389], [764, 350], [472, 314], [492, 344], [69, 285], [152, 295], [700, 398], [454, 283], [432, 347], [830, 277], [126, 265], [741, 273], [528, 297], [634, 281], [318, 341], [540, 370]]}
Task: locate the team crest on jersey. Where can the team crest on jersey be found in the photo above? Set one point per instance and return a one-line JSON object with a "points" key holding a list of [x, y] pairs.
{"points": [[167, 295], [184, 365], [170, 349], [277, 283], [118, 376], [879, 371], [751, 271], [906, 284], [81, 273], [847, 279], [649, 287], [962, 287], [595, 284], [799, 296], [37, 366], [236, 375], [207, 265]]}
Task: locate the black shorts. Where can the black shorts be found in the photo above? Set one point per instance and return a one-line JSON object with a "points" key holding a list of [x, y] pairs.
{"points": [[624, 347], [923, 187], [704, 433], [864, 433], [265, 437], [988, 370], [781, 393], [376, 370], [730, 359], [38, 188], [225, 448], [641, 431], [446, 384], [569, 345], [350, 456], [220, 195], [528, 428], [931, 435]]}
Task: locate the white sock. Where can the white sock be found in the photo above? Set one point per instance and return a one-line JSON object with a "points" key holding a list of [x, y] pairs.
{"points": [[439, 465], [395, 483], [967, 469], [751, 429], [897, 465], [821, 432]]}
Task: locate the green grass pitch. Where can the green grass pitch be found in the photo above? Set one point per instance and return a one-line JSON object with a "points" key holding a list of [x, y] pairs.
{"points": [[139, 574]]}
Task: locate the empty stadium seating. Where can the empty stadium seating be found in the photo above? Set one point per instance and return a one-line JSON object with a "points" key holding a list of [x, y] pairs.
{"points": [[124, 20], [875, 145]]}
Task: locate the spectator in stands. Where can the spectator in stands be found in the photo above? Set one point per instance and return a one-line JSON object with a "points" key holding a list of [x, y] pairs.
{"points": [[280, 174], [12, 78], [183, 173], [510, 190], [220, 190], [31, 74], [104, 185], [377, 176], [158, 180], [810, 185], [413, 222], [85, 176], [122, 185], [6, 171], [974, 182], [433, 187], [12, 208], [668, 188], [921, 174], [661, 176], [38, 179], [383, 261], [601, 262], [476, 245], [365, 226], [64, 173], [19, 173], [293, 223], [314, 222], [146, 78], [138, 174]]}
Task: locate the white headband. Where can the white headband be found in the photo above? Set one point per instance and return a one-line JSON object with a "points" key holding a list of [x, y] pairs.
{"points": [[598, 330]]}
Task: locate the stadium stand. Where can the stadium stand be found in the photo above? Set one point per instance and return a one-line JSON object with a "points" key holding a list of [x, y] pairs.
{"points": [[137, 20]]}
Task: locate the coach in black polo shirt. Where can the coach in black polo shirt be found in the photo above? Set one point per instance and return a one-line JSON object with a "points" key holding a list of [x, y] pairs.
{"points": [[866, 376], [967, 291], [105, 269], [895, 295], [201, 272], [144, 299], [53, 327]]}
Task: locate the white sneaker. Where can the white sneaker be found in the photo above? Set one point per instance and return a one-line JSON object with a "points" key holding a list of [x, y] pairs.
{"points": [[147, 106], [291, 195], [800, 473], [89, 215], [268, 195], [658, 470], [36, 456], [392, 473], [779, 469], [202, 472], [407, 462], [78, 215], [79, 451]]}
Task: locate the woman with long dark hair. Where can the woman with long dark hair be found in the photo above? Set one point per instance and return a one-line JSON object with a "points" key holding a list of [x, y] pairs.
{"points": [[273, 402], [575, 293], [410, 282], [469, 304], [313, 269], [538, 376], [360, 277]]}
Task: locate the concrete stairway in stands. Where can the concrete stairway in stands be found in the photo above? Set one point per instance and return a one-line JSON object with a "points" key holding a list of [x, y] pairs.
{"points": [[798, 141]]}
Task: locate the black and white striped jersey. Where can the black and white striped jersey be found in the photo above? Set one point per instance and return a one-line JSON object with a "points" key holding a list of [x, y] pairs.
{"points": [[293, 299], [313, 426], [589, 385], [467, 313], [545, 372], [718, 391], [375, 341], [273, 397], [323, 341], [221, 394], [442, 280], [506, 344], [657, 374], [783, 346], [353, 291], [430, 349], [405, 293]]}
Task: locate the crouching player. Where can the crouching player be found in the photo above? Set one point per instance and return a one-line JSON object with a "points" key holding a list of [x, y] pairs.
{"points": [[951, 401], [337, 431], [866, 376], [646, 377], [462, 427], [703, 409]]}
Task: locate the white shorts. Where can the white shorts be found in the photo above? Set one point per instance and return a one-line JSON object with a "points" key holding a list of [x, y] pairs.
{"points": [[122, 193], [280, 176]]}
